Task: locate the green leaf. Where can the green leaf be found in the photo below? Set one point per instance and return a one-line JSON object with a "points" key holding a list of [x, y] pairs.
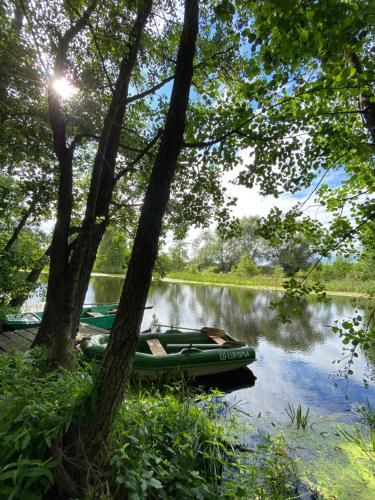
{"points": [[304, 34]]}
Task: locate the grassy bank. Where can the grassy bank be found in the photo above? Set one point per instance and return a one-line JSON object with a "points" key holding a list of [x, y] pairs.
{"points": [[163, 444], [345, 286], [170, 442]]}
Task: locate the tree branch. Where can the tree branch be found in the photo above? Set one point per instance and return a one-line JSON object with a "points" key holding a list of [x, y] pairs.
{"points": [[88, 135], [21, 224], [57, 120], [366, 107], [150, 91], [338, 243], [142, 153], [69, 36], [321, 180], [92, 31], [159, 85], [223, 137]]}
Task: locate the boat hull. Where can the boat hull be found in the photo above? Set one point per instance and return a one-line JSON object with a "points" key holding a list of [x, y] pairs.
{"points": [[206, 359], [191, 372]]}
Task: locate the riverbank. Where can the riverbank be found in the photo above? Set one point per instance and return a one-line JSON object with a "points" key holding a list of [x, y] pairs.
{"points": [[172, 441], [167, 442], [344, 287]]}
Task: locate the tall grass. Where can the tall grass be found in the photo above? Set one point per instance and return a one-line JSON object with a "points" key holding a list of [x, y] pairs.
{"points": [[298, 416], [349, 284], [234, 279]]}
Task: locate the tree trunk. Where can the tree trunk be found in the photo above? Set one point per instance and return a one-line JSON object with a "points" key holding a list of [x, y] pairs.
{"points": [[31, 279], [21, 224], [109, 387], [59, 330], [366, 106], [54, 313]]}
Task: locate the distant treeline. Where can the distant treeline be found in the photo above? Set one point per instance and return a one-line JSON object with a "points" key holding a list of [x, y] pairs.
{"points": [[244, 255]]}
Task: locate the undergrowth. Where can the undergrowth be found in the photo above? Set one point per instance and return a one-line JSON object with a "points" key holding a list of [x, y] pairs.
{"points": [[163, 445]]}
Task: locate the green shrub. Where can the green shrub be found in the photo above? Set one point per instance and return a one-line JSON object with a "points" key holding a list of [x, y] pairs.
{"points": [[277, 271], [165, 447], [35, 406], [246, 266], [162, 445]]}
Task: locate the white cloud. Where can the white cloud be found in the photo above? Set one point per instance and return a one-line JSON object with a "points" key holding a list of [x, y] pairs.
{"points": [[250, 201]]}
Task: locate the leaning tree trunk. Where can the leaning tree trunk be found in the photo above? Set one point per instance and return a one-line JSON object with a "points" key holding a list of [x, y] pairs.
{"points": [[81, 259], [21, 224], [33, 276], [30, 280], [107, 393], [84, 253]]}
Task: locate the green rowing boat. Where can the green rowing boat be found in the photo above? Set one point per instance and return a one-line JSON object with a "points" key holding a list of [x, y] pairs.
{"points": [[25, 320], [173, 352]]}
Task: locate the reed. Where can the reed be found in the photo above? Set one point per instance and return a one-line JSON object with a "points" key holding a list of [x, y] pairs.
{"points": [[298, 417]]}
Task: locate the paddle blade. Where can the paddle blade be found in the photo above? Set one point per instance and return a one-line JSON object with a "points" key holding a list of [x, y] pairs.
{"points": [[208, 330]]}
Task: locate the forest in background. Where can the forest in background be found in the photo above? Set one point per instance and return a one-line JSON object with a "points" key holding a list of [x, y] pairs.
{"points": [[243, 258]]}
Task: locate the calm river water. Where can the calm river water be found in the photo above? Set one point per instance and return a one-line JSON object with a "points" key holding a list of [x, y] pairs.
{"points": [[294, 361]]}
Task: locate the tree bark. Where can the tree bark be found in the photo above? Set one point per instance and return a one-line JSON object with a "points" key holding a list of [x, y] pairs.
{"points": [[366, 107], [64, 304], [110, 384]]}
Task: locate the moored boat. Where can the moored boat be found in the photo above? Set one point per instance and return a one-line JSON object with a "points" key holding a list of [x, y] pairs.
{"points": [[173, 353], [22, 321], [26, 320]]}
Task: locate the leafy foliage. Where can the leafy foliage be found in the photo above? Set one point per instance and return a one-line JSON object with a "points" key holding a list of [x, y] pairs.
{"points": [[113, 252], [27, 250], [246, 266], [163, 444], [35, 407]]}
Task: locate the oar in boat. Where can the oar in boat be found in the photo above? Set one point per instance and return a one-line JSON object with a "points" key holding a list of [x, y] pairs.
{"points": [[106, 304], [208, 330]]}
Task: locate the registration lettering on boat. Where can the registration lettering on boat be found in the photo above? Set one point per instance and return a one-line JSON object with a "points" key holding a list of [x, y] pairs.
{"points": [[246, 353]]}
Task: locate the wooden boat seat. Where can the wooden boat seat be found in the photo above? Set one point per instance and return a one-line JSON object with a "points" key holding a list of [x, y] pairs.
{"points": [[156, 347], [209, 330], [94, 314], [216, 339]]}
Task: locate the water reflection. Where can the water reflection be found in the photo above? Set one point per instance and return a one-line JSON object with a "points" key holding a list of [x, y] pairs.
{"points": [[103, 290], [294, 361], [235, 380], [243, 313]]}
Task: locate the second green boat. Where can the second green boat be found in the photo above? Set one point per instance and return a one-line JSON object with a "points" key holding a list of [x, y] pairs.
{"points": [[25, 320]]}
